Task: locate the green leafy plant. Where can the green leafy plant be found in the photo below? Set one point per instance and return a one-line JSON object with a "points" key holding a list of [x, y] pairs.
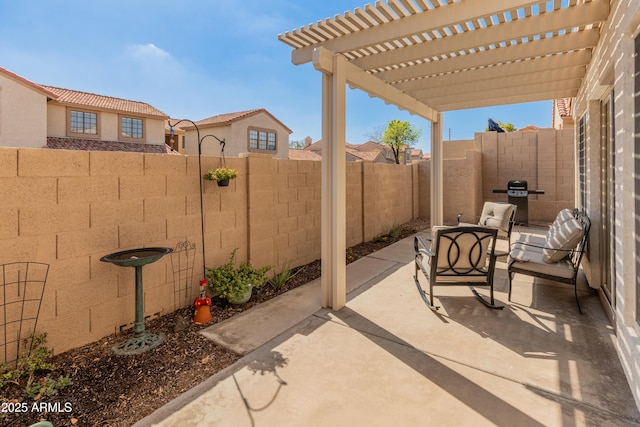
{"points": [[220, 174], [280, 279], [28, 364], [395, 231], [231, 282]]}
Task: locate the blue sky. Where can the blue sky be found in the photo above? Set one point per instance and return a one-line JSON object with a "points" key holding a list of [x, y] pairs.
{"points": [[195, 59]]}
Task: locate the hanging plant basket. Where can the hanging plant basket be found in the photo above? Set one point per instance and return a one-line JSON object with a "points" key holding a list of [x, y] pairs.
{"points": [[223, 182]]}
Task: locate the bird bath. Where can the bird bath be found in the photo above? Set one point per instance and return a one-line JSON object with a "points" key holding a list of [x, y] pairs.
{"points": [[141, 341]]}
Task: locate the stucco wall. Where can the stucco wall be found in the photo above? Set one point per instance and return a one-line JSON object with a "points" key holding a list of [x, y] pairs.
{"points": [[23, 115], [70, 208], [612, 69]]}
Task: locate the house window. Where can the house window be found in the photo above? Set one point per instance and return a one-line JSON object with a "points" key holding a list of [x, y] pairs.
{"points": [[83, 123], [264, 140], [131, 128]]}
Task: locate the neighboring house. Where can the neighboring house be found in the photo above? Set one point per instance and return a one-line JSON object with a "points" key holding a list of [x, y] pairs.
{"points": [[563, 113], [302, 154], [251, 131], [33, 115], [23, 111], [369, 151]]}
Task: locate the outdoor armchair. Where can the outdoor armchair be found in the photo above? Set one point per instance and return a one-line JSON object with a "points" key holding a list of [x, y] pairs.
{"points": [[498, 215], [461, 255]]}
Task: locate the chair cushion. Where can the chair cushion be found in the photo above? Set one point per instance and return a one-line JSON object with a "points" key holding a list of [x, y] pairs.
{"points": [[563, 236], [531, 259], [496, 215]]}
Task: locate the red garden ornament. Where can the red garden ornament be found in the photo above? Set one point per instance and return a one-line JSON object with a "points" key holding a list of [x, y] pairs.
{"points": [[202, 303]]}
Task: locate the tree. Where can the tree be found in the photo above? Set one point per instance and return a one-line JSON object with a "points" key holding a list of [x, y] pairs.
{"points": [[296, 144], [508, 127], [400, 135]]}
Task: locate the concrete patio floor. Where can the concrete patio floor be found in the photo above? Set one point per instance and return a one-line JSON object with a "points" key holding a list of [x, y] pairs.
{"points": [[387, 359]]}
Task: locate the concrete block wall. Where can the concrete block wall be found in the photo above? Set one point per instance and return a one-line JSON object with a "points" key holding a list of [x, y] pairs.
{"points": [[70, 208], [545, 159]]}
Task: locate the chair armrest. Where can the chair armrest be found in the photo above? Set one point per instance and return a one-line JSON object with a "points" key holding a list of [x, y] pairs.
{"points": [[421, 247]]}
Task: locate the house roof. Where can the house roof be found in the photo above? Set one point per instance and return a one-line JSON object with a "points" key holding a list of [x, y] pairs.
{"points": [[28, 83], [99, 145], [564, 106], [92, 100], [430, 56], [228, 118], [301, 154]]}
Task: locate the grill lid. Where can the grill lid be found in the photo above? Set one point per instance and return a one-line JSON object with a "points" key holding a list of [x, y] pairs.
{"points": [[516, 184]]}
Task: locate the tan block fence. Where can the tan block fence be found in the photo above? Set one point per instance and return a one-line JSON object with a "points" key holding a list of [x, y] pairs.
{"points": [[70, 208]]}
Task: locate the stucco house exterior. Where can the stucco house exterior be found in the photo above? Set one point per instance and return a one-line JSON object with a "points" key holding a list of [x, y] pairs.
{"points": [[250, 131], [34, 115]]}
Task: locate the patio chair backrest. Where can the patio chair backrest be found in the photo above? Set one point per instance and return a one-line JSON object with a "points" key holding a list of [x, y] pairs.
{"points": [[498, 215], [463, 250]]}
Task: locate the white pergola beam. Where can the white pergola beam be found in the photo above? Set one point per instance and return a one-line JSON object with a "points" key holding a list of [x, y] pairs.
{"points": [[514, 30], [415, 24], [500, 91], [509, 83], [556, 63], [511, 99], [357, 78], [569, 42]]}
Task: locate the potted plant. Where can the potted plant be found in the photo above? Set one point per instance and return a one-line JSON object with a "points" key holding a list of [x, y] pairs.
{"points": [[221, 175], [235, 284]]}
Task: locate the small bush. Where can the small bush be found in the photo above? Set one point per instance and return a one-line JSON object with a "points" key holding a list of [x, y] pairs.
{"points": [[28, 364], [280, 279]]}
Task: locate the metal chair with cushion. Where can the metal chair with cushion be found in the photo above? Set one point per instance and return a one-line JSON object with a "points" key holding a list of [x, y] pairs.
{"points": [[498, 215], [461, 255]]}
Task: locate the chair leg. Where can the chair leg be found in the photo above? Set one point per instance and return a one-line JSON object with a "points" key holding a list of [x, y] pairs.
{"points": [[484, 301], [510, 278], [575, 292]]}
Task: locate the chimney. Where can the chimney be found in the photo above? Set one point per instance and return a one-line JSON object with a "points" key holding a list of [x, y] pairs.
{"points": [[307, 142]]}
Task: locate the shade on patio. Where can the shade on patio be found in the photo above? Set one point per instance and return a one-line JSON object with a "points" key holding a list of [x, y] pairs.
{"points": [[430, 56]]}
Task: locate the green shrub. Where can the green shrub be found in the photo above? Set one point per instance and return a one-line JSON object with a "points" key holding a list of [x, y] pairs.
{"points": [[28, 364], [231, 282]]}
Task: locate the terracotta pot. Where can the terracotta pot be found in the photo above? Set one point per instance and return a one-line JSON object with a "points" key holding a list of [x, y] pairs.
{"points": [[203, 315]]}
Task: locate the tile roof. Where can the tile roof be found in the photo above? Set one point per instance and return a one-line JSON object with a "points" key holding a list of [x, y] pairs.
{"points": [[86, 99], [227, 118], [98, 145], [300, 154], [28, 83], [564, 106]]}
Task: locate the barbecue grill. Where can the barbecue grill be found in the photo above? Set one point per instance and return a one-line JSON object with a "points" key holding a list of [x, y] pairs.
{"points": [[518, 194]]}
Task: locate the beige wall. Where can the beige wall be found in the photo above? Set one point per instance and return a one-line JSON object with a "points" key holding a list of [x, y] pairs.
{"points": [[544, 159], [612, 70], [23, 115], [70, 208]]}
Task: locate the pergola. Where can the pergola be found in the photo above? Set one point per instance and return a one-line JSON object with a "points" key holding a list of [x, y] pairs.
{"points": [[431, 56]]}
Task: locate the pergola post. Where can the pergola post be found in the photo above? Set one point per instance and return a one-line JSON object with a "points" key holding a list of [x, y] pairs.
{"points": [[436, 172], [333, 240]]}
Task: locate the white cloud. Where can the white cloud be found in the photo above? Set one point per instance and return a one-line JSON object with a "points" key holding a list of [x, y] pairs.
{"points": [[146, 52]]}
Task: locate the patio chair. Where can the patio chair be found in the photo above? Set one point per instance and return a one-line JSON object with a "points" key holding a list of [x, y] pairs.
{"points": [[557, 255], [461, 255], [498, 215]]}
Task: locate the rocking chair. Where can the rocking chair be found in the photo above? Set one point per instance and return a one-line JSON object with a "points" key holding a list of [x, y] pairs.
{"points": [[462, 255]]}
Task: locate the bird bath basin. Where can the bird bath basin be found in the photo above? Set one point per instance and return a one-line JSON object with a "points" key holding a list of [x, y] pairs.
{"points": [[141, 341]]}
